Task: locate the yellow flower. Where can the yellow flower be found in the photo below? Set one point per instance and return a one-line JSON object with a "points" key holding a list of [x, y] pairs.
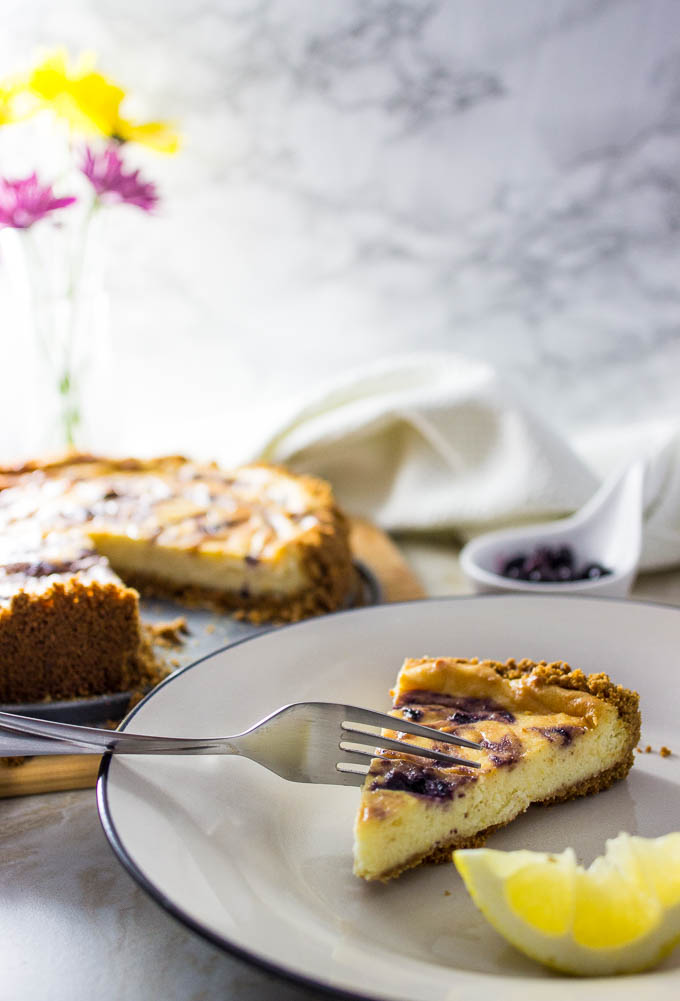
{"points": [[5, 106], [91, 103], [11, 89], [156, 135]]}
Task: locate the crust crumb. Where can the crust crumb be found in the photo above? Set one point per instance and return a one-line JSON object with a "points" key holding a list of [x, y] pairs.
{"points": [[664, 751], [169, 634]]}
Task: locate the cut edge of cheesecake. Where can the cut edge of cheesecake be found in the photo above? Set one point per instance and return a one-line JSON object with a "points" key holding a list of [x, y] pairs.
{"points": [[558, 673], [75, 640]]}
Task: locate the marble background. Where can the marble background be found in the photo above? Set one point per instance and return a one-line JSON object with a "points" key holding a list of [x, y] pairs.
{"points": [[366, 177]]}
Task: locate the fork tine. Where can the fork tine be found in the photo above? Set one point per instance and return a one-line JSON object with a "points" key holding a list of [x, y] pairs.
{"points": [[375, 740], [354, 755], [373, 718], [349, 774]]}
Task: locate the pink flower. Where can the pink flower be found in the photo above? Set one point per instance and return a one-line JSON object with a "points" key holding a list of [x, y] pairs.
{"points": [[105, 173], [27, 201]]}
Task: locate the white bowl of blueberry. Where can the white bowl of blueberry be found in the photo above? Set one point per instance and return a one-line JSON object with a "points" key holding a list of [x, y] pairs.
{"points": [[596, 551]]}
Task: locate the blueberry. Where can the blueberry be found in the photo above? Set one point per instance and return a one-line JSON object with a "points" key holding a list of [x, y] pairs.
{"points": [[550, 565], [564, 556], [514, 567], [534, 562], [593, 571]]}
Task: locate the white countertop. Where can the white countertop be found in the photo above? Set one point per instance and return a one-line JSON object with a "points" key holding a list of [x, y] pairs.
{"points": [[74, 925]]}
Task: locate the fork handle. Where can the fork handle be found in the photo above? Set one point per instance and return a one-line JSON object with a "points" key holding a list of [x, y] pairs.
{"points": [[24, 735], [20, 745]]}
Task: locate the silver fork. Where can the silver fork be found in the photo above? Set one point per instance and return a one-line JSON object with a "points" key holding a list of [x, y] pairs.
{"points": [[300, 742]]}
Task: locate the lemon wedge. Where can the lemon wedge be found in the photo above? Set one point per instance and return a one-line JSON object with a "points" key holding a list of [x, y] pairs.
{"points": [[620, 915]]}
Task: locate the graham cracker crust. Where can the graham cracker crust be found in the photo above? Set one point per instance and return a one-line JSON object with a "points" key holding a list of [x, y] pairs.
{"points": [[74, 641], [558, 672]]}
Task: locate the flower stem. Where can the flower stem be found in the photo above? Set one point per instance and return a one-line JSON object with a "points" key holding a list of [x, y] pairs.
{"points": [[70, 409], [57, 334], [74, 294], [35, 271]]}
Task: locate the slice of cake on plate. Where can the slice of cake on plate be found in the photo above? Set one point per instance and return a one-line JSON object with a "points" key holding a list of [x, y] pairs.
{"points": [[78, 534], [548, 733]]}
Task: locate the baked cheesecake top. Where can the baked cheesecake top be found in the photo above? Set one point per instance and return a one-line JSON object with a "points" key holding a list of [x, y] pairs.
{"points": [[53, 513], [510, 709]]}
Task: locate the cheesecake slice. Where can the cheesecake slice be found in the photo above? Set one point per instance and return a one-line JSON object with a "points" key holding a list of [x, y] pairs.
{"points": [[548, 734], [80, 536]]}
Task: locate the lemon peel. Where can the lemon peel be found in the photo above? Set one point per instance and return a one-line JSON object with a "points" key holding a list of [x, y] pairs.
{"points": [[620, 915]]}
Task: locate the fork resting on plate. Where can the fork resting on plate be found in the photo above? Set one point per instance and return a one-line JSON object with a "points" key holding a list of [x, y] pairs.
{"points": [[300, 742]]}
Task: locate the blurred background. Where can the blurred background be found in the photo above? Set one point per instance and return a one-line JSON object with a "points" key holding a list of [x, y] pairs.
{"points": [[364, 178]]}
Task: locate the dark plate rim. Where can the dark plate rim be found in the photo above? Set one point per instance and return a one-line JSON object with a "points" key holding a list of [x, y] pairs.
{"points": [[156, 894]]}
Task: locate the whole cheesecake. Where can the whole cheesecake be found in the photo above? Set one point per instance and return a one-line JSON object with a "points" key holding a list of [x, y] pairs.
{"points": [[82, 534], [547, 733]]}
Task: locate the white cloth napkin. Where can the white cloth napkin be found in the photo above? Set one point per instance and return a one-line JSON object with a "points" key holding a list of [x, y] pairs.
{"points": [[435, 442]]}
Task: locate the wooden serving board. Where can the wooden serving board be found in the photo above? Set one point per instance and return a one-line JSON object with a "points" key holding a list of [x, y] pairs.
{"points": [[53, 774]]}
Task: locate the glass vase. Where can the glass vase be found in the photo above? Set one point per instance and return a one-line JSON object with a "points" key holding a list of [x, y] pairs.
{"points": [[54, 275]]}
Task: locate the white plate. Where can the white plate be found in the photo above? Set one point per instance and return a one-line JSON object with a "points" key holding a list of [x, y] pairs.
{"points": [[263, 867]]}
